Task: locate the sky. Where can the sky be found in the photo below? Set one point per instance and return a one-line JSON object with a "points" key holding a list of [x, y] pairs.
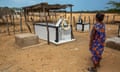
{"points": [[79, 5]]}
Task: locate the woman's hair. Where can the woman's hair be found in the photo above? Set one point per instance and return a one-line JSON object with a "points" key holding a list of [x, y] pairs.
{"points": [[100, 16]]}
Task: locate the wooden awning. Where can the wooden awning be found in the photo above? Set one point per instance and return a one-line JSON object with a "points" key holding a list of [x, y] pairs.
{"points": [[46, 6]]}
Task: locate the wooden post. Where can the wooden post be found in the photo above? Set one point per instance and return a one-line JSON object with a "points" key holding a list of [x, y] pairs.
{"points": [[89, 22], [68, 19], [55, 17], [10, 18], [39, 15], [74, 21], [65, 14], [44, 10], [21, 30], [32, 19], [93, 19], [84, 19], [27, 23], [7, 25], [89, 19], [113, 18], [72, 36], [13, 19], [107, 19], [119, 30]]}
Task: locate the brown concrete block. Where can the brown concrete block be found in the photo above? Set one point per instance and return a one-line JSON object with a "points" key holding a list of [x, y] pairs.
{"points": [[113, 43], [26, 39]]}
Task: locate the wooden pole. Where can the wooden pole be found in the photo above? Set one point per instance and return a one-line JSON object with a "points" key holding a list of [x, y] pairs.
{"points": [[27, 23], [33, 21], [65, 14], [13, 24], [24, 17], [39, 15], [55, 17], [68, 19], [89, 19], [21, 30], [74, 21], [84, 19], [113, 18], [89, 22], [107, 19], [10, 19], [72, 36], [93, 19], [44, 10], [119, 30], [7, 25]]}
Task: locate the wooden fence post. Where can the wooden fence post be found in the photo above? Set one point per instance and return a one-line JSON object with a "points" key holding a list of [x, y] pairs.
{"points": [[107, 19], [89, 19], [13, 23], [113, 18], [93, 19], [7, 23], [119, 30], [84, 19], [89, 23], [74, 21], [21, 23]]}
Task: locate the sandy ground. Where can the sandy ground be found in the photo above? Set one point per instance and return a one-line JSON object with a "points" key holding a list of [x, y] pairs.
{"points": [[69, 57]]}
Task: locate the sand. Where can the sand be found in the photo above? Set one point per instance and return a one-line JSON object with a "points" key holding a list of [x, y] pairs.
{"points": [[68, 57]]}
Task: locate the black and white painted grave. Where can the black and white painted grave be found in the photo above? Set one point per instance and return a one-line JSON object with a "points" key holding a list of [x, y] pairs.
{"points": [[58, 33]]}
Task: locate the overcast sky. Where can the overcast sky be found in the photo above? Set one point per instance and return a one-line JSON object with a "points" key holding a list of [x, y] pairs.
{"points": [[78, 4]]}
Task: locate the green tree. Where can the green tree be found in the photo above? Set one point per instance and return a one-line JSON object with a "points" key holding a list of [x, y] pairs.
{"points": [[114, 6]]}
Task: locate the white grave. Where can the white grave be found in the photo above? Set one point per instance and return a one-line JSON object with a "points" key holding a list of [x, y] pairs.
{"points": [[58, 33], [82, 26]]}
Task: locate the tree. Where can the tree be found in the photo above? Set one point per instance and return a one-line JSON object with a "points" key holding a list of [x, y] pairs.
{"points": [[114, 6]]}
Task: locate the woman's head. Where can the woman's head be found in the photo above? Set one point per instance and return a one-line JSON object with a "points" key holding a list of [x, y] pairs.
{"points": [[100, 17]]}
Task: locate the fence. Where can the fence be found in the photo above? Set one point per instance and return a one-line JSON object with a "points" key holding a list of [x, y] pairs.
{"points": [[109, 20], [16, 24]]}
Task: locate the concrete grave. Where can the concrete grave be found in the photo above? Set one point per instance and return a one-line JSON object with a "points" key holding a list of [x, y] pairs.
{"points": [[58, 33], [113, 42], [26, 39]]}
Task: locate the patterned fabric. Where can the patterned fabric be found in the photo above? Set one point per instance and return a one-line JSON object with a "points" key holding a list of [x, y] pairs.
{"points": [[98, 40]]}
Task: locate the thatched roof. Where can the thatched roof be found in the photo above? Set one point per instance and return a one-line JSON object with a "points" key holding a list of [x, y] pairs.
{"points": [[46, 6]]}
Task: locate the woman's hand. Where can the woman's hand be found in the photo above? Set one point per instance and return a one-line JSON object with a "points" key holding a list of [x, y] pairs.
{"points": [[90, 45]]}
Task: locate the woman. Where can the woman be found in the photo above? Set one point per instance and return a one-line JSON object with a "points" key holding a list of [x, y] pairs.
{"points": [[97, 40]]}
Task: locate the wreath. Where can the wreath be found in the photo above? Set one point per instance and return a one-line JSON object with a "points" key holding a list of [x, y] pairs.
{"points": [[65, 25]]}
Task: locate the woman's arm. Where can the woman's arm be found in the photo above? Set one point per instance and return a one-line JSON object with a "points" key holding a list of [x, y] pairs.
{"points": [[92, 36]]}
